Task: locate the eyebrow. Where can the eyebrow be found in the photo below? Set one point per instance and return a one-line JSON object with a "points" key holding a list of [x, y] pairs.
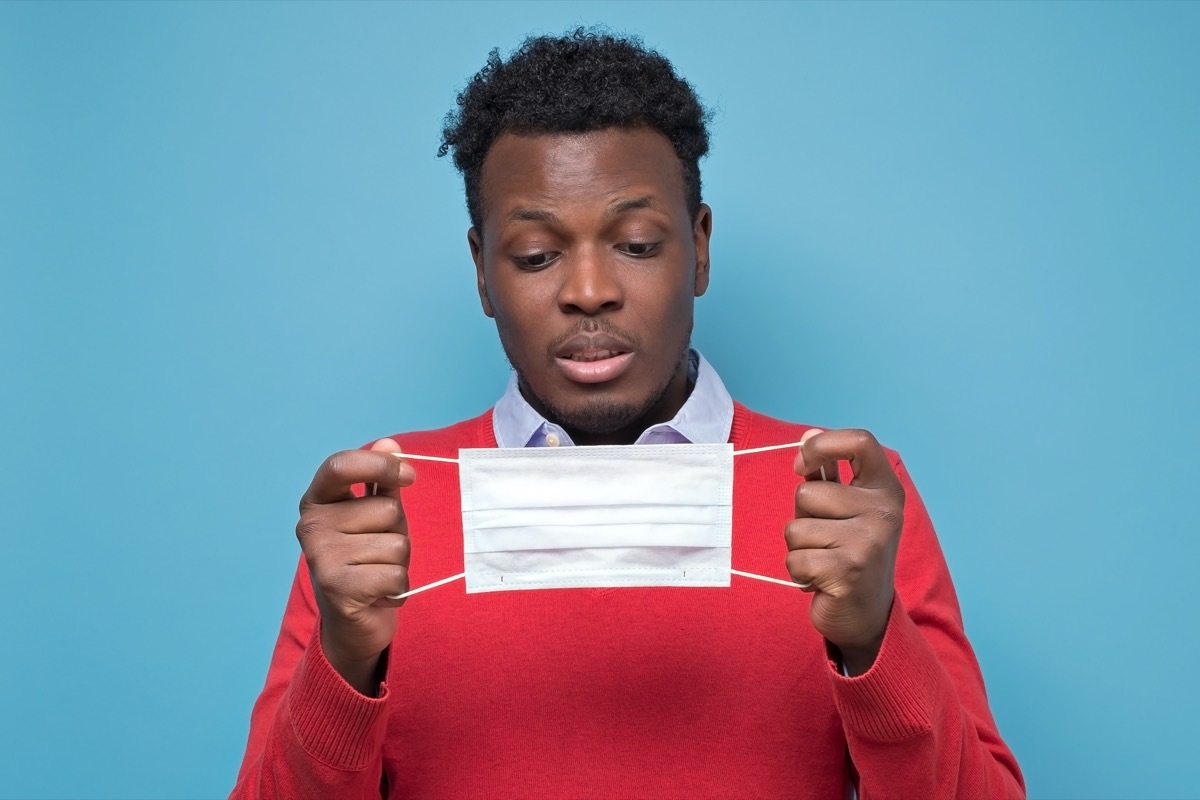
{"points": [[632, 204], [531, 215], [521, 214]]}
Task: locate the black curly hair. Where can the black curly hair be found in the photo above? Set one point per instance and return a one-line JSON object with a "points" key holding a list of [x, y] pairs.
{"points": [[584, 80]]}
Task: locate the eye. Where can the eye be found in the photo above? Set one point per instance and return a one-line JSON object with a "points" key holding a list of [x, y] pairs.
{"points": [[535, 261], [640, 249]]}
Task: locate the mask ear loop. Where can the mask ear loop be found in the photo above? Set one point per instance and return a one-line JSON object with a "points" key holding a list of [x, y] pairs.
{"points": [[753, 575], [443, 581], [428, 586]]}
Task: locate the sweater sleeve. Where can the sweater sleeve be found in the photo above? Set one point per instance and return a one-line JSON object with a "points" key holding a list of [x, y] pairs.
{"points": [[917, 723], [311, 733]]}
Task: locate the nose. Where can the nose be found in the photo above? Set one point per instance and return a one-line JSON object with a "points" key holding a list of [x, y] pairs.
{"points": [[591, 284]]}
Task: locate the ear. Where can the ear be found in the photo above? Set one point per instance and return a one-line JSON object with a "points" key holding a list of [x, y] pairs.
{"points": [[475, 240], [701, 233]]}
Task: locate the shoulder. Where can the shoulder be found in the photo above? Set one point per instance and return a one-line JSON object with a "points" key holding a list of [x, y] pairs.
{"points": [[754, 429], [473, 432]]}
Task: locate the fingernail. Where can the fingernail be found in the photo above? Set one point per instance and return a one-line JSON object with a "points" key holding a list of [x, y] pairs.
{"points": [[800, 467], [808, 434]]}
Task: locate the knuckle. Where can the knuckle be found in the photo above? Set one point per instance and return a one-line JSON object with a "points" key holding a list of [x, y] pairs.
{"points": [[394, 508], [308, 527], [890, 516], [809, 493], [396, 578], [327, 584], [861, 439], [402, 550], [310, 561], [337, 464], [855, 565], [864, 554]]}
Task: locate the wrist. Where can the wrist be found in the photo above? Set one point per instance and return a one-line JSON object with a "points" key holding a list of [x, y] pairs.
{"points": [[858, 660], [363, 674]]}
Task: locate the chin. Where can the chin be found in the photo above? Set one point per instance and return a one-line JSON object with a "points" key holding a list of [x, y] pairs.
{"points": [[599, 417]]}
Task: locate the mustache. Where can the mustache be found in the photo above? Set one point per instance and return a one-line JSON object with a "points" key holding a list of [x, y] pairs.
{"points": [[590, 326]]}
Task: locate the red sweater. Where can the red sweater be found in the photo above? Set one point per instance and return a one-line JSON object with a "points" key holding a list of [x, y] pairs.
{"points": [[633, 692]]}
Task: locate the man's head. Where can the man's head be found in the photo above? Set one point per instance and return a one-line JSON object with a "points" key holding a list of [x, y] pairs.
{"points": [[589, 238]]}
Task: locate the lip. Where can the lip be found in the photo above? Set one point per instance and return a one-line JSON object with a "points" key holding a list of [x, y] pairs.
{"points": [[604, 358]]}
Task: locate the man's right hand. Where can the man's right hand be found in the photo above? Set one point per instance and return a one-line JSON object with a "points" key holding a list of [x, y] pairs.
{"points": [[357, 552]]}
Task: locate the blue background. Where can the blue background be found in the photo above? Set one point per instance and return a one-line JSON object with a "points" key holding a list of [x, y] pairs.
{"points": [[228, 249]]}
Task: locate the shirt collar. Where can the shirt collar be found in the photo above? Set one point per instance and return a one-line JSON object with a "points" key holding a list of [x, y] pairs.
{"points": [[705, 418]]}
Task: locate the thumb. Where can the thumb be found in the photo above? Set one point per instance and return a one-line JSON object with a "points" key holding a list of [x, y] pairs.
{"points": [[386, 446], [813, 468]]}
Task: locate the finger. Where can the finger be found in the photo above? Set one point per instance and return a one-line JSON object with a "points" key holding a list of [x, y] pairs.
{"points": [[825, 500], [812, 570], [342, 470], [378, 582], [375, 548], [814, 534], [811, 470], [385, 445], [388, 445], [868, 462], [381, 514]]}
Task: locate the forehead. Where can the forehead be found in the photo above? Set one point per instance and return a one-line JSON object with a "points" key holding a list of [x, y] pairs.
{"points": [[562, 170]]}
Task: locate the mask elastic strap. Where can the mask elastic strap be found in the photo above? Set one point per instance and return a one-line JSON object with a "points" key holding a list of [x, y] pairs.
{"points": [[443, 581], [753, 575], [443, 459], [746, 452], [453, 578], [433, 585], [758, 577], [775, 447], [765, 449], [462, 575]]}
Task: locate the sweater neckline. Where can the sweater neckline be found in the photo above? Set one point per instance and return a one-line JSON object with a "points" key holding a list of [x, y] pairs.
{"points": [[739, 432]]}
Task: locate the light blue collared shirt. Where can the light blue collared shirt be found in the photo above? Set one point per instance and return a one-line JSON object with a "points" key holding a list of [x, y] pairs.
{"points": [[705, 418]]}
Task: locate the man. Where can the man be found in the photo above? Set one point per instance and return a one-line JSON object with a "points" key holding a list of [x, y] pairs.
{"points": [[590, 241]]}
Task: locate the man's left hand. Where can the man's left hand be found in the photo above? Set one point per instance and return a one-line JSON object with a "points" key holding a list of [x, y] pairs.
{"points": [[842, 544]]}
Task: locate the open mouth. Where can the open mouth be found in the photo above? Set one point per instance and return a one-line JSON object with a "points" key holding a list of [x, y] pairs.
{"points": [[594, 358], [587, 356]]}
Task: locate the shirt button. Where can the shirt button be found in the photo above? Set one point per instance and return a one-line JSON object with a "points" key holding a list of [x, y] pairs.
{"points": [[552, 439]]}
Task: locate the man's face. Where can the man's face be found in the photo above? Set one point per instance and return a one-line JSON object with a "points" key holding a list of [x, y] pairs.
{"points": [[590, 266]]}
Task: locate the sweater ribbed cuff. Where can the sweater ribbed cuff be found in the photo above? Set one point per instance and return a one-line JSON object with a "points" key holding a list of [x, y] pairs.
{"points": [[895, 699], [334, 723]]}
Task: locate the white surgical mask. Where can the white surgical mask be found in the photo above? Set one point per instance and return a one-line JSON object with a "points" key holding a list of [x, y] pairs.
{"points": [[616, 515], [606, 516]]}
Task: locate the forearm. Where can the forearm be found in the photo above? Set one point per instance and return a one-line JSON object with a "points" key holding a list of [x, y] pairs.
{"points": [[311, 733], [323, 739], [911, 734]]}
